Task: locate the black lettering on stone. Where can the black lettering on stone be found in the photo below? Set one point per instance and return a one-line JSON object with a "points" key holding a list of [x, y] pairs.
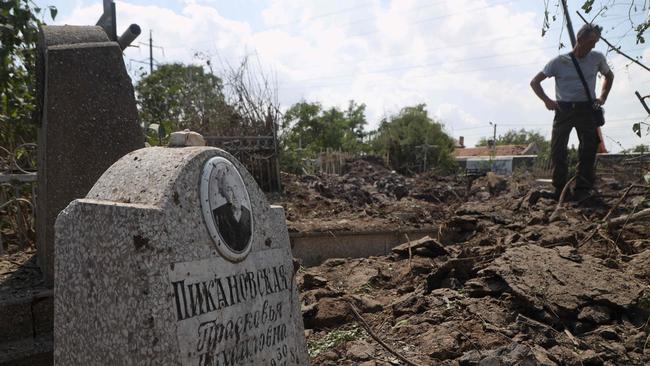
{"points": [[222, 302], [243, 286], [283, 274], [253, 285], [196, 299], [276, 281], [233, 289], [206, 336], [179, 286], [260, 283], [230, 358], [267, 283], [209, 301]]}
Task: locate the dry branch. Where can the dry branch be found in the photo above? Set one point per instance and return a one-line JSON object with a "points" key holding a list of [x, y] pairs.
{"points": [[559, 210], [614, 223], [614, 48], [376, 338]]}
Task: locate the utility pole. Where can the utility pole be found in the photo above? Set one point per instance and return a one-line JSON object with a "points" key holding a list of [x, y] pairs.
{"points": [[150, 53], [494, 138], [494, 146], [151, 47]]}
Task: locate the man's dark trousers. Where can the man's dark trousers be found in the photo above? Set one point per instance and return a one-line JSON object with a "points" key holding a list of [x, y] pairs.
{"points": [[570, 115]]}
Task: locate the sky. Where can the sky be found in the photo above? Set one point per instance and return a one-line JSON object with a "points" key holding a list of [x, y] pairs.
{"points": [[469, 61]]}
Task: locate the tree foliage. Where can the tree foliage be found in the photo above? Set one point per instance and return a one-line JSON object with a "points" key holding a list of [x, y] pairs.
{"points": [[18, 36], [643, 149], [414, 142], [633, 7], [308, 129], [520, 137], [178, 97]]}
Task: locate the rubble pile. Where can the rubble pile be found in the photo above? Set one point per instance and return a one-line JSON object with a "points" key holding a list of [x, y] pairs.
{"points": [[367, 196], [497, 283]]}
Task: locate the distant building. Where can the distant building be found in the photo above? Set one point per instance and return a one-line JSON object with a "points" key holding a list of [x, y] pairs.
{"points": [[500, 150], [501, 158]]}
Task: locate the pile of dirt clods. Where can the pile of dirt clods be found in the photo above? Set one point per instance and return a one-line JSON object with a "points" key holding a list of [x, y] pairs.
{"points": [[366, 196], [497, 282]]}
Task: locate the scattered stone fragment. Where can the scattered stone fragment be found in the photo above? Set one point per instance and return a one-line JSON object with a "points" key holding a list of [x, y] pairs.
{"points": [[480, 287], [366, 304], [359, 350], [426, 247], [311, 281], [409, 303], [596, 314], [329, 313], [441, 342], [639, 266], [540, 279]]}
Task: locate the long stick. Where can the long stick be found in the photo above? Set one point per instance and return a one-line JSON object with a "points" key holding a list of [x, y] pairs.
{"points": [[569, 25], [633, 217], [376, 338]]}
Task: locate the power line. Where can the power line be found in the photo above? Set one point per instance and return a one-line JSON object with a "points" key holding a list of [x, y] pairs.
{"points": [[400, 68], [426, 20], [414, 67], [316, 17], [524, 124], [426, 76], [463, 45], [151, 47], [363, 5], [363, 20]]}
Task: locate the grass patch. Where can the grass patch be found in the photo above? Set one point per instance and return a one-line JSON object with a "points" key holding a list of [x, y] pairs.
{"points": [[333, 339]]}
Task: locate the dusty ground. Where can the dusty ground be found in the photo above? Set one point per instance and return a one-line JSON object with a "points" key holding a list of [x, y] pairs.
{"points": [[20, 275], [498, 284]]}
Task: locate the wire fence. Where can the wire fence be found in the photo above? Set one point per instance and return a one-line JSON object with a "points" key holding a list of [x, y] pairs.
{"points": [[257, 153], [18, 176]]}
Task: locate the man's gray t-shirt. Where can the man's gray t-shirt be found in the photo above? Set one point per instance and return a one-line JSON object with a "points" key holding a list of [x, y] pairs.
{"points": [[568, 87]]}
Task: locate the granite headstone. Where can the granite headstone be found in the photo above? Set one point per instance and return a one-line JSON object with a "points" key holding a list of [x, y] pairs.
{"points": [[175, 257], [88, 120]]}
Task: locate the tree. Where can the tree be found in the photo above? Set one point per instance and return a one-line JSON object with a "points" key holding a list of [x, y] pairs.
{"points": [[308, 129], [643, 149], [18, 36], [179, 97], [308, 126], [252, 94], [521, 137], [414, 142], [632, 8]]}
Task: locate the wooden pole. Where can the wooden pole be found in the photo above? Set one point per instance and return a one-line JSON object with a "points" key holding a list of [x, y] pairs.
{"points": [[569, 25]]}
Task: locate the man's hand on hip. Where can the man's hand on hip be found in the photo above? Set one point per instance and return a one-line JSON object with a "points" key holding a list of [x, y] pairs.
{"points": [[551, 105]]}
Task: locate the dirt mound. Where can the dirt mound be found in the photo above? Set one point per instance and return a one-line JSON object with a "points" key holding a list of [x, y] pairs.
{"points": [[498, 284], [368, 196]]}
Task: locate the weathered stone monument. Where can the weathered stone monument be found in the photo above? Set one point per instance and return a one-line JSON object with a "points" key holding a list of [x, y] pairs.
{"points": [[175, 257], [88, 120]]}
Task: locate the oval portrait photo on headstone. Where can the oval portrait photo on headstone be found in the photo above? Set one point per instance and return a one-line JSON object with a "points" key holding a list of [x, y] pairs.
{"points": [[226, 208]]}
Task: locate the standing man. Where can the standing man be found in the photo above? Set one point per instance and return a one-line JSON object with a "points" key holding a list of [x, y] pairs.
{"points": [[573, 110]]}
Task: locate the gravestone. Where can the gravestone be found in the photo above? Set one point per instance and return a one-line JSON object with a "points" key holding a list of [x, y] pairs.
{"points": [[88, 120], [175, 257]]}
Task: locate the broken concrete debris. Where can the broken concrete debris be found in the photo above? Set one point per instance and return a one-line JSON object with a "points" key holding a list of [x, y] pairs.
{"points": [[494, 283]]}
